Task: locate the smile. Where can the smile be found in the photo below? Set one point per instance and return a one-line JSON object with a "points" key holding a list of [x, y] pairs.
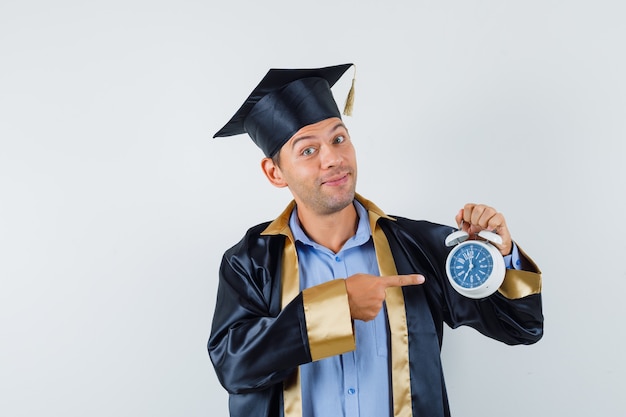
{"points": [[334, 181]]}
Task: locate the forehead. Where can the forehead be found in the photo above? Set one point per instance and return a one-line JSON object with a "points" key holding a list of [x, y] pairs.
{"points": [[322, 128]]}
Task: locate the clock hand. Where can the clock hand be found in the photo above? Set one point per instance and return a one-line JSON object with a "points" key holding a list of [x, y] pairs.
{"points": [[471, 266]]}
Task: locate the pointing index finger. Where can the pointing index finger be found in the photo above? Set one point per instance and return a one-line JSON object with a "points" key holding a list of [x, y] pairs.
{"points": [[404, 280]]}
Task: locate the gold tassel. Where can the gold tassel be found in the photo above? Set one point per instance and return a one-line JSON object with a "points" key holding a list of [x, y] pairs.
{"points": [[347, 110]]}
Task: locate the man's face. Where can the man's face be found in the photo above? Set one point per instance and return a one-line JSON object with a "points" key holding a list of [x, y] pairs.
{"points": [[318, 164]]}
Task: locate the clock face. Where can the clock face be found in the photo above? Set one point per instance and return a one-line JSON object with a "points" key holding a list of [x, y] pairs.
{"points": [[470, 265]]}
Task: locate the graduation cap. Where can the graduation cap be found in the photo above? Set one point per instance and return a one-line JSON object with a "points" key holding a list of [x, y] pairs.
{"points": [[285, 101]]}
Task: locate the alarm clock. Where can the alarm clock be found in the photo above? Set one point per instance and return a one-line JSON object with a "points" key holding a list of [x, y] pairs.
{"points": [[475, 268]]}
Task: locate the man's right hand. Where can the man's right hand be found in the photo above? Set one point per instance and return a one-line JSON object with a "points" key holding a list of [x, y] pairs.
{"points": [[366, 293]]}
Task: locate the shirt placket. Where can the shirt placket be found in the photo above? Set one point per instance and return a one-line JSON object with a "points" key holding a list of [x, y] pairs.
{"points": [[350, 369]]}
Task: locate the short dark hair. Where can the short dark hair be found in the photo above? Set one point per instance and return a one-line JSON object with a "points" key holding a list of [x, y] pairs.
{"points": [[276, 158]]}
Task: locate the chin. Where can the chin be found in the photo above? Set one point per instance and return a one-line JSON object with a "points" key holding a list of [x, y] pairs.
{"points": [[340, 202]]}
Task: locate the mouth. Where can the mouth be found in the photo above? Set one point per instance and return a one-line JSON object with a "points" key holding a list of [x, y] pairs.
{"points": [[336, 180]]}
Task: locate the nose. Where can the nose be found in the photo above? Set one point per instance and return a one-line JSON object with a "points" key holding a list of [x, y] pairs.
{"points": [[330, 156]]}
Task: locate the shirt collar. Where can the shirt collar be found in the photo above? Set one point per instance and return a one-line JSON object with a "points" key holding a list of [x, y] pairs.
{"points": [[280, 225], [362, 235]]}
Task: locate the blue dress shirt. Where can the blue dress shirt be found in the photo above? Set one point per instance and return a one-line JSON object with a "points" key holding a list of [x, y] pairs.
{"points": [[355, 384]]}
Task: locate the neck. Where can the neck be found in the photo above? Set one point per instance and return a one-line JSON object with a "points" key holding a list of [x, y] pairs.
{"points": [[331, 230]]}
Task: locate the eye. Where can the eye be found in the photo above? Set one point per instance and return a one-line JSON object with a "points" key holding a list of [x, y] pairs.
{"points": [[339, 139], [308, 151]]}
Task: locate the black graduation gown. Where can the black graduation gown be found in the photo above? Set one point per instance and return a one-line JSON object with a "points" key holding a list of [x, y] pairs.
{"points": [[262, 331]]}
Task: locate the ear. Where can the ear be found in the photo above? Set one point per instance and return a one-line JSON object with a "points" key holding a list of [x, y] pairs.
{"points": [[273, 173]]}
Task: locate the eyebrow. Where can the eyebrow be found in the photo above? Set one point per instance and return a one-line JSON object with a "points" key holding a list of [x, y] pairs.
{"points": [[334, 128]]}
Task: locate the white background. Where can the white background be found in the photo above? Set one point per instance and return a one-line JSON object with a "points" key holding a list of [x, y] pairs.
{"points": [[116, 205]]}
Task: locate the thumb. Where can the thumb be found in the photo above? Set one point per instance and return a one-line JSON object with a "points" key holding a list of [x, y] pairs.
{"points": [[459, 218]]}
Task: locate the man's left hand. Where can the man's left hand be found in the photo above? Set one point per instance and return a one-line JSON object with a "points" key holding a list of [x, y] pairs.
{"points": [[473, 218]]}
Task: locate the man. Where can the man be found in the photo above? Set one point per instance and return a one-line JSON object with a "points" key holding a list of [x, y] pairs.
{"points": [[335, 308]]}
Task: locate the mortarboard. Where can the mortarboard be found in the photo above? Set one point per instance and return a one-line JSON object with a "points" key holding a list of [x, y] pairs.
{"points": [[285, 101]]}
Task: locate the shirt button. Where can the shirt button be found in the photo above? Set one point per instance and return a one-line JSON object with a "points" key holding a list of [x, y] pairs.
{"points": [[351, 391], [337, 258]]}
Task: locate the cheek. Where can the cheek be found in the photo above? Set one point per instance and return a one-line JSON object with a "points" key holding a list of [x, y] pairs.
{"points": [[296, 175], [351, 152], [351, 157]]}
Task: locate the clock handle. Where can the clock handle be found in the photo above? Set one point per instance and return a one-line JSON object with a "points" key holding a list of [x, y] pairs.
{"points": [[457, 237], [490, 236]]}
